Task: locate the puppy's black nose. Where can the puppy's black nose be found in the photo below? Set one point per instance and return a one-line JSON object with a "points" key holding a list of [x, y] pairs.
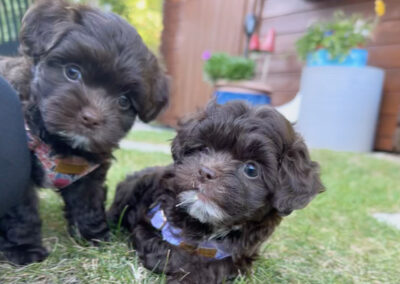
{"points": [[91, 118], [207, 173]]}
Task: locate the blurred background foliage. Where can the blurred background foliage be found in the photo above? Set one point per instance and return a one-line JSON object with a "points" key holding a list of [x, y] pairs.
{"points": [[144, 15]]}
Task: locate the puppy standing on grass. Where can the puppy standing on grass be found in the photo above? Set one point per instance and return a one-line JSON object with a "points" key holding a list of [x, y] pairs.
{"points": [[83, 77], [237, 171]]}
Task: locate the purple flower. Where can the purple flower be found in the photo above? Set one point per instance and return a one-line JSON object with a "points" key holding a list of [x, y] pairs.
{"points": [[328, 33], [206, 55]]}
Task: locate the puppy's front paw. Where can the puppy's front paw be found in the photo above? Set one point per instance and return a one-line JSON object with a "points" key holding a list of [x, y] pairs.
{"points": [[23, 255]]}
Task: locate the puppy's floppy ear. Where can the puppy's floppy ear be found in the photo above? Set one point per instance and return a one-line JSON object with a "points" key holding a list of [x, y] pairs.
{"points": [[299, 179], [44, 25], [156, 90]]}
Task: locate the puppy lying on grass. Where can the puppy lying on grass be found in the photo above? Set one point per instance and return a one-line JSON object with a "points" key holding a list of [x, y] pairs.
{"points": [[237, 171]]}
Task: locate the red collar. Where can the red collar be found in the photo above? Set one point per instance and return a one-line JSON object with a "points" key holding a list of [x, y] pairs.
{"points": [[59, 171]]}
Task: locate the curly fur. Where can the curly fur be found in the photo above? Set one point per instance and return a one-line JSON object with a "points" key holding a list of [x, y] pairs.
{"points": [[207, 193], [79, 117]]}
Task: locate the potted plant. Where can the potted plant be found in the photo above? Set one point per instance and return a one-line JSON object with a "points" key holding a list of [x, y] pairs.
{"points": [[336, 42], [340, 94], [232, 78]]}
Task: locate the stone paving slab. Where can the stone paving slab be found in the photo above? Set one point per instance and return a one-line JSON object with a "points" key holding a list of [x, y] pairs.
{"points": [[139, 125], [387, 156], [145, 147], [392, 219]]}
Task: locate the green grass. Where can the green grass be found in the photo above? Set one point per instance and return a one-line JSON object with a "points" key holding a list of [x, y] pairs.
{"points": [[159, 137], [334, 240]]}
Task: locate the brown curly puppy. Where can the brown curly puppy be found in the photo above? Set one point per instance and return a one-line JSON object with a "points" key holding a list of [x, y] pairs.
{"points": [[84, 75], [237, 171]]}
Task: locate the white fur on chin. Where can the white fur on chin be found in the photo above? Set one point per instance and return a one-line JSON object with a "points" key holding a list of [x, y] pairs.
{"points": [[204, 211], [77, 141]]}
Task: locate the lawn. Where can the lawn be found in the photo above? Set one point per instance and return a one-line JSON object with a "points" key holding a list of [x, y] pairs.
{"points": [[154, 137], [334, 240]]}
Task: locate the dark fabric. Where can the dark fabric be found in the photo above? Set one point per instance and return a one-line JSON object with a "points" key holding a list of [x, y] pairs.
{"points": [[15, 165]]}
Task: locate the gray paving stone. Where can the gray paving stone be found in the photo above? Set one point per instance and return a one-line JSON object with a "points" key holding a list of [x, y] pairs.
{"points": [[392, 219], [144, 147]]}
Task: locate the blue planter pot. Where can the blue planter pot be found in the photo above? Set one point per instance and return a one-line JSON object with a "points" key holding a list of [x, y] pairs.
{"points": [[356, 58], [253, 92], [223, 97]]}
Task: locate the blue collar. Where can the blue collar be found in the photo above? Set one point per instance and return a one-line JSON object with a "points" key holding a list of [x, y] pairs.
{"points": [[210, 248]]}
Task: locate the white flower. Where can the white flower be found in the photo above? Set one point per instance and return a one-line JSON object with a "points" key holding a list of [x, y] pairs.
{"points": [[366, 33], [359, 26]]}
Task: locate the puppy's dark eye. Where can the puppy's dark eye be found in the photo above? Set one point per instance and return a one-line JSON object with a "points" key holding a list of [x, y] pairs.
{"points": [[124, 103], [72, 72], [250, 170]]}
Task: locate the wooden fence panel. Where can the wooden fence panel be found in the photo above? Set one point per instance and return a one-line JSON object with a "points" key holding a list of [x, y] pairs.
{"points": [[196, 26]]}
